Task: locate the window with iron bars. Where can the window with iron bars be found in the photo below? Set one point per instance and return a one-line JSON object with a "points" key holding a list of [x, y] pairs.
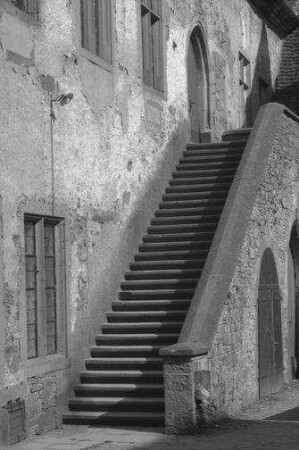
{"points": [[45, 285], [30, 7]]}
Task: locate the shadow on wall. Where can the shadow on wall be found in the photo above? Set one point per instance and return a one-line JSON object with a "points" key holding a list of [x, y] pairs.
{"points": [[261, 85], [287, 81]]}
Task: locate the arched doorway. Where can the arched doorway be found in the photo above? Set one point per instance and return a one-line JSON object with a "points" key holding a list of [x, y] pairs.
{"points": [[293, 289], [198, 87], [269, 327]]}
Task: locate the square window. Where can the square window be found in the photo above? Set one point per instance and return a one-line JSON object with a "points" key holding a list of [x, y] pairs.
{"points": [[152, 47], [44, 267], [96, 27]]}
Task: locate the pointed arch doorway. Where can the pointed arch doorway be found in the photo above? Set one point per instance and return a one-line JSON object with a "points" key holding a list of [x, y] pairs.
{"points": [[198, 87], [269, 328]]}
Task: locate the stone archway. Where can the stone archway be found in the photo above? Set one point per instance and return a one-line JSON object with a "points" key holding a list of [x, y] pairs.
{"points": [[269, 327], [198, 87]]}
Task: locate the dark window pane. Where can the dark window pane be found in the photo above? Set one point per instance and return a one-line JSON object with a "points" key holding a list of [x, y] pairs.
{"points": [[29, 6], [96, 27], [31, 341], [30, 272], [29, 238]]}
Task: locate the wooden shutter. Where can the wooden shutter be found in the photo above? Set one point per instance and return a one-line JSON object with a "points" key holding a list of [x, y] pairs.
{"points": [[157, 54], [105, 29], [147, 53], [88, 24]]}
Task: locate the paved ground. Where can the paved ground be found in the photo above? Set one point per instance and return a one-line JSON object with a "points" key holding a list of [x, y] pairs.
{"points": [[249, 431]]}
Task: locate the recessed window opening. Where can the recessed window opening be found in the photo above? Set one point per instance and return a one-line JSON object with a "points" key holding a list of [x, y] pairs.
{"points": [[44, 280], [152, 48], [96, 27], [30, 7]]}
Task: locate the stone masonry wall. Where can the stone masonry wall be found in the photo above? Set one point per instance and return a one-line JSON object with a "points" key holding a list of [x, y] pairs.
{"points": [[233, 359], [102, 164]]}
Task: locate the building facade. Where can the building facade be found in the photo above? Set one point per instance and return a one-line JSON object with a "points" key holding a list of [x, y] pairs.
{"points": [[98, 100]]}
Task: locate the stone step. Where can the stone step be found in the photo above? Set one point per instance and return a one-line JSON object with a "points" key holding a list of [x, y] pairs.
{"points": [[207, 171], [146, 338], [146, 316], [145, 285], [173, 246], [206, 227], [119, 389], [179, 237], [203, 179], [227, 145], [124, 363], [206, 164], [202, 218], [176, 264], [162, 274], [98, 351], [151, 305], [140, 404], [118, 376], [235, 152], [198, 203], [138, 418], [199, 210], [168, 255], [196, 189], [237, 135], [156, 294], [197, 197], [142, 327]]}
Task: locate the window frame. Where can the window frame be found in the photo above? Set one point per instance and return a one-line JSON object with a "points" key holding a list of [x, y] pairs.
{"points": [[88, 54], [60, 277], [27, 6], [153, 40], [244, 68]]}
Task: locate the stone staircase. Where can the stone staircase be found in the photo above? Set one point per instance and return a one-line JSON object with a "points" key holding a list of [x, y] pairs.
{"points": [[123, 380]]}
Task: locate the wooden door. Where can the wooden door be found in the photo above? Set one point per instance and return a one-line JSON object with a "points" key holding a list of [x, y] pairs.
{"points": [[269, 328], [193, 92]]}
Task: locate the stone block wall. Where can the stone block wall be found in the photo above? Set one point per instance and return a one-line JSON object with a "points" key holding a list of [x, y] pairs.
{"points": [[233, 358]]}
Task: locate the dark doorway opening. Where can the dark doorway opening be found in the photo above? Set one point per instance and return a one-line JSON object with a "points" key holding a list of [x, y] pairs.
{"points": [[293, 284], [198, 87], [269, 328]]}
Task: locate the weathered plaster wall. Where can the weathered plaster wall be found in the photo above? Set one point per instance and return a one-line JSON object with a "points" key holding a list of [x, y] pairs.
{"points": [[233, 358], [102, 164]]}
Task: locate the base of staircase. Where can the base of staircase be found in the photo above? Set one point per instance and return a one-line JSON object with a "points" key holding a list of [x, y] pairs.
{"points": [[144, 419]]}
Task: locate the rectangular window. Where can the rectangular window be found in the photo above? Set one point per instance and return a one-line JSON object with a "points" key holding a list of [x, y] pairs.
{"points": [[96, 28], [152, 48], [44, 265], [30, 7], [244, 82]]}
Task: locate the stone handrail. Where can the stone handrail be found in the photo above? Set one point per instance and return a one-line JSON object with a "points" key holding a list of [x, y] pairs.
{"points": [[202, 319]]}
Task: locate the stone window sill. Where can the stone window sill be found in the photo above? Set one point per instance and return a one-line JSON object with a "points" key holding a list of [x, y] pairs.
{"points": [[152, 91], [96, 60]]}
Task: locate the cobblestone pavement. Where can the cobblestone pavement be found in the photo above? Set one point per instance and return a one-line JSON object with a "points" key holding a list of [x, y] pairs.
{"points": [[247, 432]]}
